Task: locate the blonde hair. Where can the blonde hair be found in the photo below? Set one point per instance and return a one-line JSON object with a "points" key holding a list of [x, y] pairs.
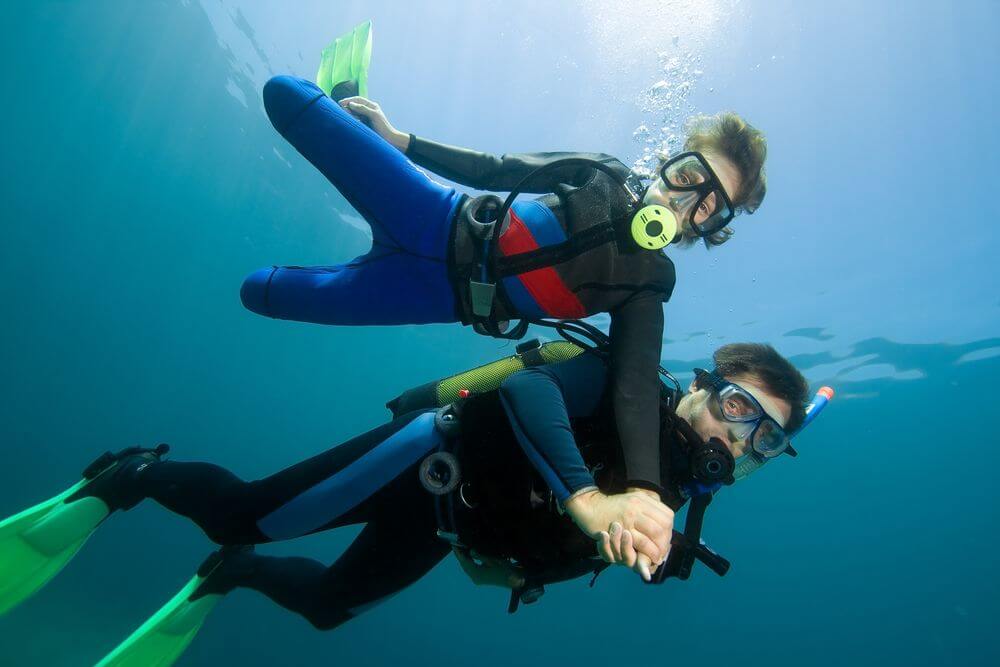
{"points": [[727, 135]]}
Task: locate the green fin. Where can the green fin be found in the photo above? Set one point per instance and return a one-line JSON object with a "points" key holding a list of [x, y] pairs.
{"points": [[162, 639], [347, 59], [37, 543]]}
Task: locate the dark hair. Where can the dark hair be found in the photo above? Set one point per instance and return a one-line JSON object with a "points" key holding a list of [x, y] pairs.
{"points": [[728, 135], [778, 376]]}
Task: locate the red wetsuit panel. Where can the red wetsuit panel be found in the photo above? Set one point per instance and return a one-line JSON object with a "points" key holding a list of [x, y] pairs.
{"points": [[544, 285]]}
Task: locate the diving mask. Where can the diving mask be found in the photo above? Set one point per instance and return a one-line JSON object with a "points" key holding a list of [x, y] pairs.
{"points": [[748, 416], [695, 193]]}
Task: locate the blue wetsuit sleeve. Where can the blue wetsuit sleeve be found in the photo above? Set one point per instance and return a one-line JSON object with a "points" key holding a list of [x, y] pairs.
{"points": [[539, 403], [484, 171]]}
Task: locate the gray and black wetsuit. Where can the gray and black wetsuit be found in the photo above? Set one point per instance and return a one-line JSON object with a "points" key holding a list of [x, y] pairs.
{"points": [[373, 480]]}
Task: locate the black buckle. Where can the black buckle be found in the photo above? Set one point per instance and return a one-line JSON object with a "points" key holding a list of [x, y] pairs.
{"points": [[687, 547], [527, 594]]}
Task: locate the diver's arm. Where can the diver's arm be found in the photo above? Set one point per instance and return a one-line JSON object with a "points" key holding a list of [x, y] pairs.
{"points": [[636, 339], [484, 171], [539, 403]]}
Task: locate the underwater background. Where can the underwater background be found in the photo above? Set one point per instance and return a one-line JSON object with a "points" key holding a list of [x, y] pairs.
{"points": [[140, 181]]}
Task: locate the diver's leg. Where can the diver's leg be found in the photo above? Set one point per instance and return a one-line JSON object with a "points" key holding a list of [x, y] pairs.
{"points": [[382, 288], [405, 208], [337, 487], [398, 547], [372, 478]]}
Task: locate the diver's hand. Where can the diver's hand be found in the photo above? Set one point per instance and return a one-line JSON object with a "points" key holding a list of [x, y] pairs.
{"points": [[644, 566], [645, 526], [365, 109], [485, 571], [615, 546]]}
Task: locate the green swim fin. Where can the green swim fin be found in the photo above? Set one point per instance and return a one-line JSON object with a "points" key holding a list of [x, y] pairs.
{"points": [[163, 638], [160, 641], [37, 543], [346, 61]]}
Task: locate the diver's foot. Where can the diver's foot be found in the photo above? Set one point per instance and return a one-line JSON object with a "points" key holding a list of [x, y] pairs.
{"points": [[114, 477], [225, 570], [343, 90]]}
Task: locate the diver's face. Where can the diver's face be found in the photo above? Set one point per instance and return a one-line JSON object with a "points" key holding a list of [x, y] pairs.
{"points": [[659, 193], [699, 408]]}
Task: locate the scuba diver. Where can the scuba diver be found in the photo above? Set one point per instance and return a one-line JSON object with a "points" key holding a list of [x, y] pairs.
{"points": [[592, 243], [522, 471]]}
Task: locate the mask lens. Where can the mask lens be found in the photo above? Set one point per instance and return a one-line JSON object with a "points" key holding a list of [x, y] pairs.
{"points": [[711, 213], [685, 173], [770, 439], [696, 194], [737, 405]]}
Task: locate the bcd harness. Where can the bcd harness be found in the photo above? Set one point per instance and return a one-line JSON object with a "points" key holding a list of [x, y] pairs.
{"points": [[441, 473], [651, 228]]}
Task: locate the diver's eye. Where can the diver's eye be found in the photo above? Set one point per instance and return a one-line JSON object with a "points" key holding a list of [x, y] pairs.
{"points": [[682, 179], [706, 208], [737, 406], [702, 213]]}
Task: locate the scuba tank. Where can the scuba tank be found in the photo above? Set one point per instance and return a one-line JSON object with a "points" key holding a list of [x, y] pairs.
{"points": [[482, 379]]}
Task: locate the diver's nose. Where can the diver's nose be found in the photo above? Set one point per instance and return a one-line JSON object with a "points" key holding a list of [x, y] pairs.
{"points": [[737, 447], [679, 201]]}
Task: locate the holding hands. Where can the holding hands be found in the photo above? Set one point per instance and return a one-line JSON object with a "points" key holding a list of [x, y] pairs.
{"points": [[631, 529]]}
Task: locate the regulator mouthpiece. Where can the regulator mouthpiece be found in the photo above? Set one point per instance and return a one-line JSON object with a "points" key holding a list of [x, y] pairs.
{"points": [[654, 227]]}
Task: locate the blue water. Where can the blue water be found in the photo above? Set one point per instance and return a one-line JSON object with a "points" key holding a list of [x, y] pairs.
{"points": [[141, 181]]}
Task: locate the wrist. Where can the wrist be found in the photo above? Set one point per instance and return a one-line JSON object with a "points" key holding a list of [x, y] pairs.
{"points": [[579, 505], [400, 140], [639, 489]]}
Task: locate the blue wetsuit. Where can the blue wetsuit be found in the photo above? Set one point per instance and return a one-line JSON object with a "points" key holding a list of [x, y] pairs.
{"points": [[404, 278], [371, 479], [415, 271]]}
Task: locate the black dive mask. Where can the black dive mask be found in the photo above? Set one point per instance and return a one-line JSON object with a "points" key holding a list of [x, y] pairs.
{"points": [[696, 194]]}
